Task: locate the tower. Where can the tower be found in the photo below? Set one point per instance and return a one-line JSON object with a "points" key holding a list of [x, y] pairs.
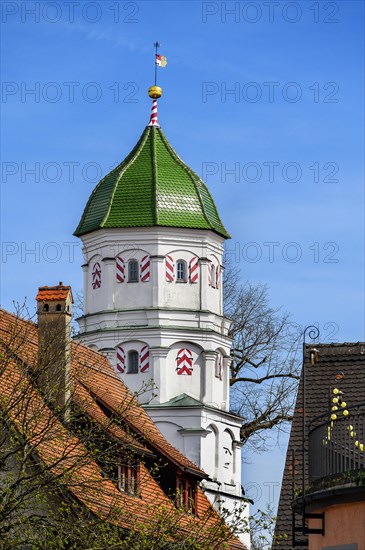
{"points": [[153, 245]]}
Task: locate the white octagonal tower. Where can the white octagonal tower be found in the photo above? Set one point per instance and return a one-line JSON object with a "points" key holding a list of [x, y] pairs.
{"points": [[153, 246]]}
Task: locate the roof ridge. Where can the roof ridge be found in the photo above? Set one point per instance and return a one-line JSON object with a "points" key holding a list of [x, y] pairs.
{"points": [[96, 188], [136, 152], [185, 167], [196, 180]]}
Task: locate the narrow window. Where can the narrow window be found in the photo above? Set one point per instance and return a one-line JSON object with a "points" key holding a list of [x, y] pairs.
{"points": [[181, 271], [128, 479], [46, 307], [132, 365], [191, 498], [133, 271], [186, 495], [58, 307]]}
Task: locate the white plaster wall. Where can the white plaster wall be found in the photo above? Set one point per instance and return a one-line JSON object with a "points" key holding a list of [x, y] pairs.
{"points": [[131, 295], [138, 242], [178, 294], [141, 383], [184, 383], [170, 431]]}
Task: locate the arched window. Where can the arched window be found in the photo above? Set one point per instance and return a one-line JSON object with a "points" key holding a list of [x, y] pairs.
{"points": [[46, 307], [132, 362], [58, 307], [132, 271], [181, 271]]}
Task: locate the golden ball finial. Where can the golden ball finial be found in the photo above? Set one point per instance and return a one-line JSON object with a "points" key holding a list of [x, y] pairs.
{"points": [[155, 92]]}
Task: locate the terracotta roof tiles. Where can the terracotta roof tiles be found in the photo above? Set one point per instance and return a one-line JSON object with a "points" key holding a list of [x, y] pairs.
{"points": [[53, 293], [85, 479]]}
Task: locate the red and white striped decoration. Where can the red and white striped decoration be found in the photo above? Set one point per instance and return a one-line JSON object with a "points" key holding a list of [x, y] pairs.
{"points": [[145, 269], [154, 117], [120, 269], [184, 361], [210, 269], [144, 359], [120, 359], [96, 276], [218, 276], [194, 269], [170, 269]]}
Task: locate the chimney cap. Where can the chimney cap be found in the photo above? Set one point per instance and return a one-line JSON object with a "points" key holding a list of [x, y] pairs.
{"points": [[54, 293]]}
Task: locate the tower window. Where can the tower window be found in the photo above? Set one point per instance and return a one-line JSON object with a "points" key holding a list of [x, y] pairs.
{"points": [[181, 271], [46, 307], [132, 364], [133, 271], [58, 307]]}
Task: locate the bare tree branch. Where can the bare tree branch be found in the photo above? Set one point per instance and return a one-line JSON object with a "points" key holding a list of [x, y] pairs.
{"points": [[265, 358]]}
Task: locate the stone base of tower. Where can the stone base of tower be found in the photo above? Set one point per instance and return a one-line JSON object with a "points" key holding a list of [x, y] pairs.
{"points": [[209, 437]]}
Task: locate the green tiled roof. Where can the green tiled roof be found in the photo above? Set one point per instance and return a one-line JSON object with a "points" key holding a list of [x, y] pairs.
{"points": [[151, 187]]}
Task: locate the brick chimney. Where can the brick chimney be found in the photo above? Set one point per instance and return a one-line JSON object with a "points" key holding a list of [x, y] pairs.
{"points": [[54, 344]]}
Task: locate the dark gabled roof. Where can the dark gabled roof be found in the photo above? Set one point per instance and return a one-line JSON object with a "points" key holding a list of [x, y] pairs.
{"points": [[348, 358], [151, 187]]}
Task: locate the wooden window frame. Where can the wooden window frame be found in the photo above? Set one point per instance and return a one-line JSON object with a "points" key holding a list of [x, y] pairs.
{"points": [[129, 478], [185, 486]]}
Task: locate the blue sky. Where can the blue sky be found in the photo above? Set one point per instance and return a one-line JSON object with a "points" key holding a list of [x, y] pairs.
{"points": [[270, 90]]}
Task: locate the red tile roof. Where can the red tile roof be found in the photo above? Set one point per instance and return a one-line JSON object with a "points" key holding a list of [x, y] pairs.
{"points": [[94, 376], [53, 293]]}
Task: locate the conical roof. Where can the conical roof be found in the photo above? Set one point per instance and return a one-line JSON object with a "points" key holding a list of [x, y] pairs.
{"points": [[151, 187]]}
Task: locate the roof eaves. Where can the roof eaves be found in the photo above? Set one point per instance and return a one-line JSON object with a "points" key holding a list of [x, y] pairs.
{"points": [[198, 472]]}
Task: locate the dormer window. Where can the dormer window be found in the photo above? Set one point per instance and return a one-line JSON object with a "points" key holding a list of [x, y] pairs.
{"points": [[181, 271], [128, 479], [132, 362], [133, 271], [186, 495]]}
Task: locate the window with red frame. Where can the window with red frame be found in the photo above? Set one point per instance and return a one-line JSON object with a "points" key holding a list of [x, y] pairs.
{"points": [[186, 494], [128, 479]]}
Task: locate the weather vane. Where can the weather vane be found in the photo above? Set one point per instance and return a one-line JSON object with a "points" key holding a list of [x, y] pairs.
{"points": [[160, 61], [155, 92]]}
